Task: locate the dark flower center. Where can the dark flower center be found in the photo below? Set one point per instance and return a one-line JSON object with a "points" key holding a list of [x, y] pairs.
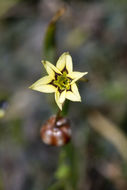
{"points": [[62, 81]]}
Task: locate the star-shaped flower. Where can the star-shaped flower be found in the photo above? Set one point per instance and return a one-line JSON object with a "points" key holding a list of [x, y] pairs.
{"points": [[60, 80]]}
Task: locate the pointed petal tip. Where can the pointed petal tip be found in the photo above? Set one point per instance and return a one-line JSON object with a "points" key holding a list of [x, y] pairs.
{"points": [[43, 62], [30, 87], [60, 108], [62, 97], [57, 96], [73, 97], [78, 99], [67, 53], [84, 73]]}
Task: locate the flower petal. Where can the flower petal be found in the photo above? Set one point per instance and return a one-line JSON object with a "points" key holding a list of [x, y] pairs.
{"points": [[75, 91], [71, 96], [62, 96], [57, 97], [47, 88], [50, 68], [69, 65], [65, 61], [43, 80], [76, 76]]}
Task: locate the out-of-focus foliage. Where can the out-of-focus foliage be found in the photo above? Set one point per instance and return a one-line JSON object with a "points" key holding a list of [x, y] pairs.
{"points": [[6, 5], [94, 32], [49, 48]]}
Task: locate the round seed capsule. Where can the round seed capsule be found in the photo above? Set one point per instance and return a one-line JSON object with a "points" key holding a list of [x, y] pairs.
{"points": [[56, 131]]}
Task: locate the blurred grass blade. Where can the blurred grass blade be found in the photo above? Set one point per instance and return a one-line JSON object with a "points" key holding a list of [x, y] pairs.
{"points": [[5, 5], [3, 108], [2, 113], [49, 48], [110, 131]]}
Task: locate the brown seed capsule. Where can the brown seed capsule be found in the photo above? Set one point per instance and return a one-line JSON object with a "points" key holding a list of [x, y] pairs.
{"points": [[56, 131]]}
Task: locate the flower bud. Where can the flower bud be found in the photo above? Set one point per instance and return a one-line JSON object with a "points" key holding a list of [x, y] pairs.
{"points": [[56, 131]]}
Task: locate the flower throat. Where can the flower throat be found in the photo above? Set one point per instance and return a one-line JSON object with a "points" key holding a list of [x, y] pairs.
{"points": [[62, 81]]}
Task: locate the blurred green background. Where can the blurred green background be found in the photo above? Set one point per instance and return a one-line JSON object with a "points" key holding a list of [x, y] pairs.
{"points": [[95, 34]]}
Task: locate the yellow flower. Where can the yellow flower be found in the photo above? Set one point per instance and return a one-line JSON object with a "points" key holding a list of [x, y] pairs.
{"points": [[60, 80]]}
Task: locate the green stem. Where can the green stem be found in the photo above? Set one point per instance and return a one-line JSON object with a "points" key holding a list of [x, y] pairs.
{"points": [[65, 109], [83, 80]]}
